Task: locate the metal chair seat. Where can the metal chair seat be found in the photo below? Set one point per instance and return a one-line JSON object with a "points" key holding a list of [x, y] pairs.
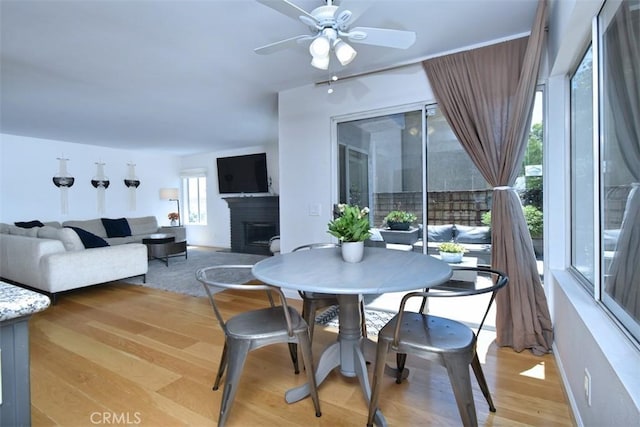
{"points": [[449, 342], [265, 322], [253, 329], [442, 335]]}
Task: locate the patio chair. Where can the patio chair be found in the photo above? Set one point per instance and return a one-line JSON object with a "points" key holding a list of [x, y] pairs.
{"points": [[253, 329], [447, 341]]}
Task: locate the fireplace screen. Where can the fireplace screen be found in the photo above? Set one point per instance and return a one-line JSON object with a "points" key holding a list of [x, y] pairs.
{"points": [[258, 233]]}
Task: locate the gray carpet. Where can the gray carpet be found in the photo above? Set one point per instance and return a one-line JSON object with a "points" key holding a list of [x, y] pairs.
{"points": [[180, 277]]}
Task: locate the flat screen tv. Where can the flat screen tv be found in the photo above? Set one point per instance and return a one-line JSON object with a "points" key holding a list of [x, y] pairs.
{"points": [[243, 174]]}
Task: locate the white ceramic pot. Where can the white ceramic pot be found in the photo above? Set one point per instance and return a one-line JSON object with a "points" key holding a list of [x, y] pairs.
{"points": [[352, 251], [174, 223], [451, 257]]}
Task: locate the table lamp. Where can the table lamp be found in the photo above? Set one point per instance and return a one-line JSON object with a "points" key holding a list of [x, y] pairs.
{"points": [[172, 194]]}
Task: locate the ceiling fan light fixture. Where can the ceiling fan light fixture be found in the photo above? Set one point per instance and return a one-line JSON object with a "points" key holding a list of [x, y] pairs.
{"points": [[320, 62], [320, 47], [344, 52]]}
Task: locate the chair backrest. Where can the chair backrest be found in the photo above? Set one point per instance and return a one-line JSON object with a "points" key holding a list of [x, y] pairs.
{"points": [[219, 278], [313, 246], [488, 280], [316, 246]]}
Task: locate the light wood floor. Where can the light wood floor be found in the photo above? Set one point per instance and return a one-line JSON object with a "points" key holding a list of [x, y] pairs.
{"points": [[129, 355]]}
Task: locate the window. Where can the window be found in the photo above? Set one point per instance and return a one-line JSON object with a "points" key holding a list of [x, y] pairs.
{"points": [[619, 108], [582, 172], [605, 169], [194, 189]]}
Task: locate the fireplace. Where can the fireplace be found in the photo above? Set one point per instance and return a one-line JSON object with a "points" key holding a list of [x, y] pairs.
{"points": [[254, 220]]}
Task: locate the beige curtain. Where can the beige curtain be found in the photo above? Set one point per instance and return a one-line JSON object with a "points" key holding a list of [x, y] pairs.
{"points": [[487, 96]]}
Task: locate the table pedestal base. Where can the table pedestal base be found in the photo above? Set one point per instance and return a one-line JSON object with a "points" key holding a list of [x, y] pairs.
{"points": [[346, 353]]}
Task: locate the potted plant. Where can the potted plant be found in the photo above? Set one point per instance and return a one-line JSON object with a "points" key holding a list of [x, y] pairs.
{"points": [[173, 217], [352, 229], [451, 252], [399, 220]]}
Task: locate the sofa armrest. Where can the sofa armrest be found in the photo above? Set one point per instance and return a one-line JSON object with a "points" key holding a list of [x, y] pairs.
{"points": [[70, 270], [179, 232], [20, 257]]}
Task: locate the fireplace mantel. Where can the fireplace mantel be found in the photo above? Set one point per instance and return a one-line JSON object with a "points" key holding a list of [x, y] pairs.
{"points": [[253, 221]]}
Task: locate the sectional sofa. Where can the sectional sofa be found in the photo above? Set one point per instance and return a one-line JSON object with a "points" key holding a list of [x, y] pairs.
{"points": [[53, 257], [475, 239]]}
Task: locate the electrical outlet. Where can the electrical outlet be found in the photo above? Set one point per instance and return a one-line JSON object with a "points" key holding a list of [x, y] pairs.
{"points": [[587, 386]]}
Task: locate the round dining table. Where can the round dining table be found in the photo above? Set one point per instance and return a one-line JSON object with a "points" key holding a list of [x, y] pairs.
{"points": [[323, 270]]}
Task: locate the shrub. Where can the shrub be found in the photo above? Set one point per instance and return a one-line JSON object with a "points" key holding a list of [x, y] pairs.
{"points": [[532, 215]]}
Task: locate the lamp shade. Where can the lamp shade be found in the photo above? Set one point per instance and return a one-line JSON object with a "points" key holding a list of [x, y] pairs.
{"points": [[169, 194], [320, 62], [319, 47], [344, 52]]}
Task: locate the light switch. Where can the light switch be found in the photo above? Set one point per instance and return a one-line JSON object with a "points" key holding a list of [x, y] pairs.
{"points": [[314, 209]]}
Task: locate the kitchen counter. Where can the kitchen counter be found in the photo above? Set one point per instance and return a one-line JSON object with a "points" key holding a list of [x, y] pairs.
{"points": [[16, 307]]}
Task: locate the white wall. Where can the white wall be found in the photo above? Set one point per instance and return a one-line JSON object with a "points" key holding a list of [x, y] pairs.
{"points": [[308, 155], [27, 191], [217, 231]]}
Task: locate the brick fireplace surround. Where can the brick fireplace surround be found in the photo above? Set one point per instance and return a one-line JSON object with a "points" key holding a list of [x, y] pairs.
{"points": [[254, 220]]}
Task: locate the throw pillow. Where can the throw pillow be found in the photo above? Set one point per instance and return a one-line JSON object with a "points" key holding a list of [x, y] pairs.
{"points": [[116, 227], [70, 239], [89, 240], [470, 234], [440, 233], [29, 224]]}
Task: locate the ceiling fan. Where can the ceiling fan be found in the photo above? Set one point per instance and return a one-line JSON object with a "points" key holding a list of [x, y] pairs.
{"points": [[329, 26]]}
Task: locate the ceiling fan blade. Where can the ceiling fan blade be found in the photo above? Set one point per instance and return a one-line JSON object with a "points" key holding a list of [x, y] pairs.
{"points": [[398, 39], [281, 45], [356, 9], [287, 8]]}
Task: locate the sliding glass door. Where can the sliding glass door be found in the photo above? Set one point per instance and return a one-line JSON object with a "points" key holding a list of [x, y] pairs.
{"points": [[381, 164]]}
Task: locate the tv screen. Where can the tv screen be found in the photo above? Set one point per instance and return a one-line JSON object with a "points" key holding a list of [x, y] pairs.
{"points": [[243, 174]]}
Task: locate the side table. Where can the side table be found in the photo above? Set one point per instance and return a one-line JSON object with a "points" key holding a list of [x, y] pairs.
{"points": [[162, 246]]}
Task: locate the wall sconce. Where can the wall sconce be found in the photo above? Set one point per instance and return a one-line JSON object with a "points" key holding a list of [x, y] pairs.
{"points": [[63, 181], [101, 183], [131, 182], [174, 195]]}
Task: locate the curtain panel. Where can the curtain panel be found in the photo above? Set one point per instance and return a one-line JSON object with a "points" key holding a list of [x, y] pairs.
{"points": [[487, 96]]}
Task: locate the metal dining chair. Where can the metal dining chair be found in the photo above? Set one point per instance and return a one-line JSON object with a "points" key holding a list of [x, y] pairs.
{"points": [[250, 330], [314, 301], [447, 341]]}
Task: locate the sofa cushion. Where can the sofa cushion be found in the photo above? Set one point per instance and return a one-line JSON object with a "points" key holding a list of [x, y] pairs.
{"points": [[28, 224], [116, 227], [89, 240], [93, 226], [143, 225], [20, 231], [67, 236], [440, 233], [470, 234]]}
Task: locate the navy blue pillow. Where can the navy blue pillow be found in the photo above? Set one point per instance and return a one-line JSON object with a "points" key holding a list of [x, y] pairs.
{"points": [[89, 240], [116, 227], [28, 224]]}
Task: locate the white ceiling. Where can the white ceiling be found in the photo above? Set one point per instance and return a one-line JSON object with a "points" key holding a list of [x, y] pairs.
{"points": [[181, 75]]}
